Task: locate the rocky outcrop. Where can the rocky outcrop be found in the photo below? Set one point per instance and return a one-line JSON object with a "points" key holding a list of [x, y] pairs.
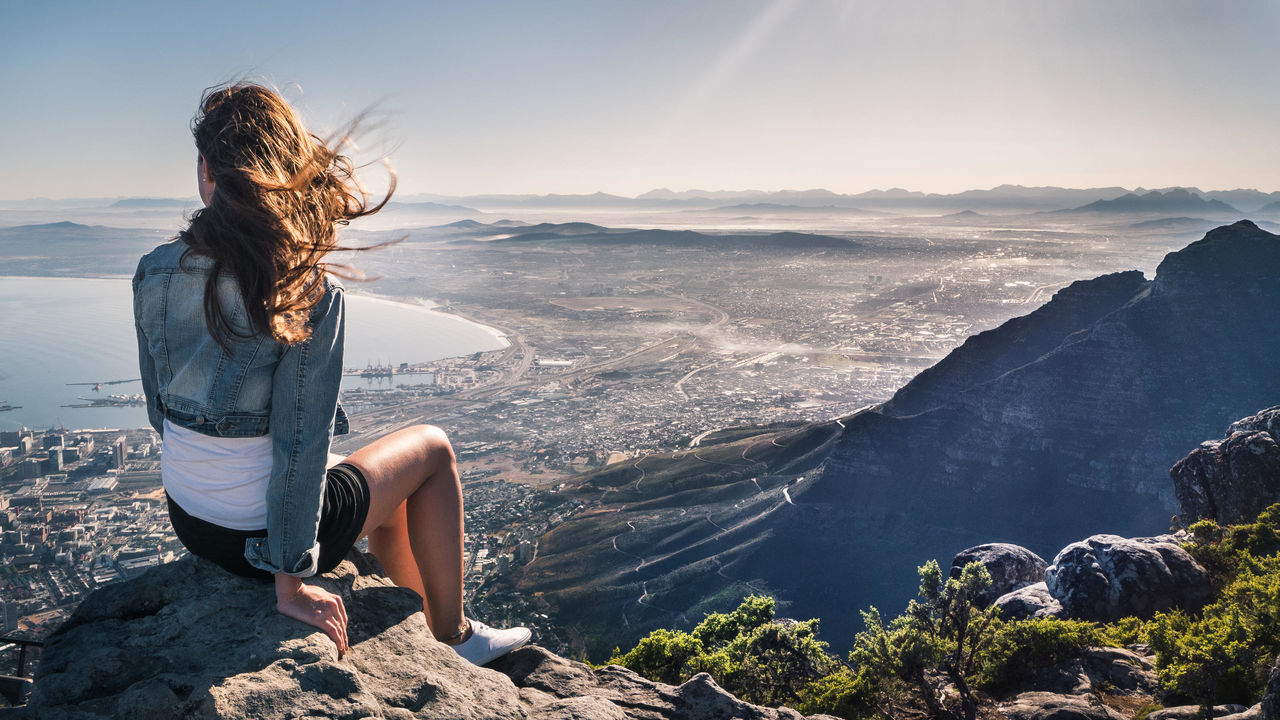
{"points": [[1011, 567], [553, 687], [1195, 712], [1053, 706], [189, 640], [1106, 577], [1117, 670], [1231, 480], [1270, 704], [1032, 601]]}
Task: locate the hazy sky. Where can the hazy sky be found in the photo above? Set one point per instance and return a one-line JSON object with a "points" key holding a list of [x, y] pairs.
{"points": [[623, 97]]}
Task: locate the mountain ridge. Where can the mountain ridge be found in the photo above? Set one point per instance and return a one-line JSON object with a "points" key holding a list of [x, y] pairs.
{"points": [[1070, 434]]}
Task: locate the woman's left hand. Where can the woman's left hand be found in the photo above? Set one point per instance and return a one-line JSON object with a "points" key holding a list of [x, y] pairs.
{"points": [[314, 606]]}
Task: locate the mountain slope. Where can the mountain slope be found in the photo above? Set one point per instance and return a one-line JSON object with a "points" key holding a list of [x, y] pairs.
{"points": [[1060, 424], [1176, 200], [71, 249]]}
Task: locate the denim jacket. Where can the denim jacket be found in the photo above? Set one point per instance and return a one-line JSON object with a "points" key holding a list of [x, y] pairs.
{"points": [[254, 386]]}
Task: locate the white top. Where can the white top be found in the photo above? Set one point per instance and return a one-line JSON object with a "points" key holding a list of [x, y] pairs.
{"points": [[219, 480]]}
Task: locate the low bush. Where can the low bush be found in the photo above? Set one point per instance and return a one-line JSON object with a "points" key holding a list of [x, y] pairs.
{"points": [[1019, 648]]}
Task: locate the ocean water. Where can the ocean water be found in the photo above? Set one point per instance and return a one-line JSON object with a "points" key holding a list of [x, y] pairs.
{"points": [[55, 331]]}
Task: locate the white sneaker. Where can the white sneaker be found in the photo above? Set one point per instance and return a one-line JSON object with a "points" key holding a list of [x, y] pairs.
{"points": [[487, 644]]}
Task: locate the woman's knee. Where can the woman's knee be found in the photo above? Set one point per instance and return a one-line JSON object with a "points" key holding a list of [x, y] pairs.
{"points": [[439, 449]]}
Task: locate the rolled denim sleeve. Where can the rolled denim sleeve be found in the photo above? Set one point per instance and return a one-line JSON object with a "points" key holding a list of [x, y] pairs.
{"points": [[146, 362], [304, 401]]}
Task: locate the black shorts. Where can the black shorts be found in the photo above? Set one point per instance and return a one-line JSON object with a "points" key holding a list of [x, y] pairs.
{"points": [[346, 505]]}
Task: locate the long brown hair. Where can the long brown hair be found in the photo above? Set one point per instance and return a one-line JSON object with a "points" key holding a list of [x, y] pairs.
{"points": [[279, 193]]}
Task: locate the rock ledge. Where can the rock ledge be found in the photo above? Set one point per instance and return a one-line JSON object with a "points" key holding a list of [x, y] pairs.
{"points": [[189, 640]]}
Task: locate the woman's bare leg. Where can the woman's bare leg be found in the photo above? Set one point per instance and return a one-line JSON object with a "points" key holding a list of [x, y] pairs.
{"points": [[415, 518], [390, 543]]}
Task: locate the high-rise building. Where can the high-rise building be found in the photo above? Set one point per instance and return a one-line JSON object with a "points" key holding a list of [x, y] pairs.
{"points": [[53, 463], [32, 468], [119, 449]]}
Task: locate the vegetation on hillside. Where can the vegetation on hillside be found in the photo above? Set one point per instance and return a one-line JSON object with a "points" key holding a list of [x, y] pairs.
{"points": [[945, 656]]}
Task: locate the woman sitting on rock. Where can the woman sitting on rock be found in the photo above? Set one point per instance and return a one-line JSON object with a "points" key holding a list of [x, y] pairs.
{"points": [[240, 342]]}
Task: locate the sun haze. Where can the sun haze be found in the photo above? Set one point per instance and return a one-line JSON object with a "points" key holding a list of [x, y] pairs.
{"points": [[578, 97]]}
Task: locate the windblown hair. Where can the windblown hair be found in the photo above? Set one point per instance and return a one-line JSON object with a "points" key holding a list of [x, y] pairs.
{"points": [[279, 193]]}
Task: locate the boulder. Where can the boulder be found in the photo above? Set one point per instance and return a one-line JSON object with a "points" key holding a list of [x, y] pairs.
{"points": [[1120, 671], [1051, 706], [1011, 567], [1107, 577], [1232, 480], [1193, 712], [1270, 704], [555, 687], [1032, 601], [1115, 670], [190, 640]]}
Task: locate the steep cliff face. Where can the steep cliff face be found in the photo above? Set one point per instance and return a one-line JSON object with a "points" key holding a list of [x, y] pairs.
{"points": [[1022, 340], [1078, 440], [1052, 427]]}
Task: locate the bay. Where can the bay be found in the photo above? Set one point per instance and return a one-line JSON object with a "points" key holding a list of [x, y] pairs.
{"points": [[55, 331]]}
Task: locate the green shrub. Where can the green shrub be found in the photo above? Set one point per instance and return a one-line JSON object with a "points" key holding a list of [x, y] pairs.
{"points": [[721, 628], [1145, 710], [663, 656], [776, 662], [1222, 656], [1124, 632], [844, 693], [943, 631], [1222, 551], [753, 656], [1020, 647]]}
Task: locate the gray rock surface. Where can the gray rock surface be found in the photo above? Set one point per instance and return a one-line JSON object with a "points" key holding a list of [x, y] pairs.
{"points": [[1270, 704], [1233, 479], [189, 640], [1032, 601], [1106, 577], [1118, 671], [1191, 712], [551, 686], [1011, 567], [1052, 706], [1253, 713]]}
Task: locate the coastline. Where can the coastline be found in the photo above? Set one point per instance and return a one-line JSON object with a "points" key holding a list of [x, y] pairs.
{"points": [[429, 307], [420, 304], [49, 319]]}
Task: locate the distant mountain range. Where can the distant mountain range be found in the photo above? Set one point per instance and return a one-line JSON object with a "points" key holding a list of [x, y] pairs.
{"points": [[1003, 198], [1176, 201], [155, 203], [510, 232], [596, 235], [1053, 426], [1000, 199], [430, 207], [72, 249]]}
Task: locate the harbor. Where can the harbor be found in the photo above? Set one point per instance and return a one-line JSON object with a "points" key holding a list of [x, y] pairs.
{"points": [[66, 340]]}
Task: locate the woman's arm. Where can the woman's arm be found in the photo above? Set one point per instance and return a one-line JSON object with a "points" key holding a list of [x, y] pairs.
{"points": [[304, 399], [146, 363], [313, 605]]}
